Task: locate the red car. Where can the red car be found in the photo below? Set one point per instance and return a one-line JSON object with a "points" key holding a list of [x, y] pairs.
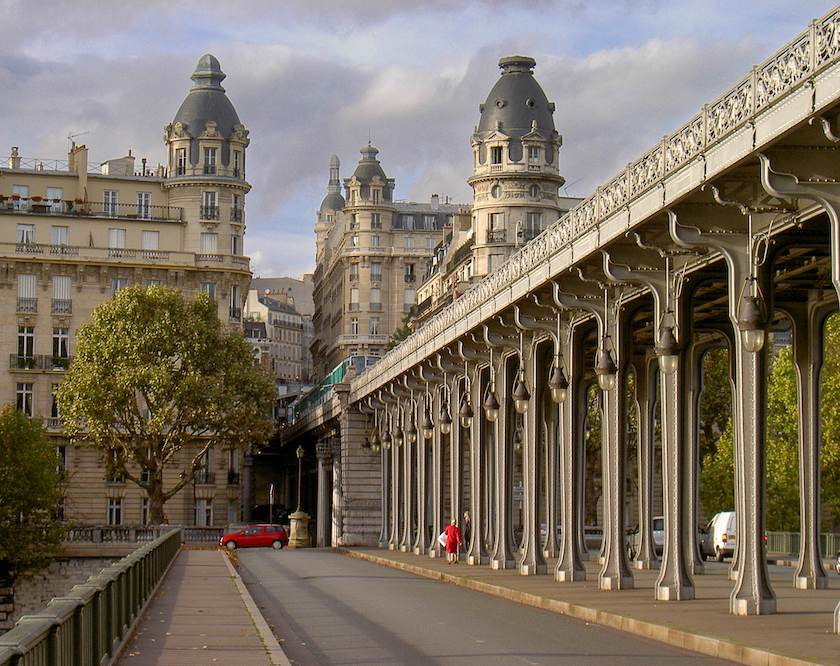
{"points": [[256, 535]]}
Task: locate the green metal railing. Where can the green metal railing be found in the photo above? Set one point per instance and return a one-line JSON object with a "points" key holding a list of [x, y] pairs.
{"points": [[787, 543], [88, 626]]}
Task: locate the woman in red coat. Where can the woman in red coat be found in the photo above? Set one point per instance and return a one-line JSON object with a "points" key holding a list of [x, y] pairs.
{"points": [[453, 540]]}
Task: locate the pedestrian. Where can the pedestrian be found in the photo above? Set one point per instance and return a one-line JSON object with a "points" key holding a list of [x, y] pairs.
{"points": [[467, 529], [453, 540]]}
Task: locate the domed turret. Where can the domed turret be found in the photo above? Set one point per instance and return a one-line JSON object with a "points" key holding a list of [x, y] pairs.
{"points": [[333, 201], [369, 181], [515, 176], [206, 137]]}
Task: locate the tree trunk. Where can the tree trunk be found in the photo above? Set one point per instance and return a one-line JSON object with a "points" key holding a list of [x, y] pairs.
{"points": [[156, 498]]}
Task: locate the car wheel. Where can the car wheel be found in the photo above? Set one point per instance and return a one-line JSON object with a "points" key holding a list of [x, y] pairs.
{"points": [[231, 545], [718, 555], [277, 545]]}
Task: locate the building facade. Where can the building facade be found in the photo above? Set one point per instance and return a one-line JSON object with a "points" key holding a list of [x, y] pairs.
{"points": [[71, 237], [372, 253]]}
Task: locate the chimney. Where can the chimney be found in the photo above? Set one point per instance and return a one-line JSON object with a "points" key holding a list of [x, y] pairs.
{"points": [[14, 158], [435, 202]]}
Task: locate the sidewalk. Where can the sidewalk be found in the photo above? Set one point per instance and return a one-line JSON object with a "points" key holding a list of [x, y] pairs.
{"points": [[201, 614], [799, 633]]}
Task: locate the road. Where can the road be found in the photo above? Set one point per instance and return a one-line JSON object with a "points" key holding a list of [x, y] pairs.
{"points": [[332, 609]]}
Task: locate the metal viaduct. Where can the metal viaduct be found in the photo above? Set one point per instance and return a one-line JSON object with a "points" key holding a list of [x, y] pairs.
{"points": [[726, 229]]}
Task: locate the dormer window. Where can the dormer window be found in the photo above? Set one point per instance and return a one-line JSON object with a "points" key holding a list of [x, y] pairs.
{"points": [[238, 171], [375, 196], [533, 154], [496, 155], [210, 161]]}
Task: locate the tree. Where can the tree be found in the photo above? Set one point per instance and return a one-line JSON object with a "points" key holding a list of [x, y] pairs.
{"points": [[30, 495], [155, 375], [400, 334]]}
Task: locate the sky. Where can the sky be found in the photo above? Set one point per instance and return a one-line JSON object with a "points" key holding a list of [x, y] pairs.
{"points": [[313, 78]]}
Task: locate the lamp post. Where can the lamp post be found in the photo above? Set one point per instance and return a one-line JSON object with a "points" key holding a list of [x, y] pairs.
{"points": [[299, 538]]}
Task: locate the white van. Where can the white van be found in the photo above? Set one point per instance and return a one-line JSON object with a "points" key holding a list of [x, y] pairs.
{"points": [[718, 538]]}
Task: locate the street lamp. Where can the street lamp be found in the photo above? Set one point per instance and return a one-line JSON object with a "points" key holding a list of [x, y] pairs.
{"points": [[558, 385], [299, 453], [466, 413], [667, 351], [751, 323]]}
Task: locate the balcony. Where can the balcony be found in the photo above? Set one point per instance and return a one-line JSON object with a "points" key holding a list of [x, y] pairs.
{"points": [[236, 215], [39, 362], [28, 305], [235, 314], [376, 307], [33, 206], [410, 277], [62, 306], [205, 478], [496, 236], [210, 213], [233, 478]]}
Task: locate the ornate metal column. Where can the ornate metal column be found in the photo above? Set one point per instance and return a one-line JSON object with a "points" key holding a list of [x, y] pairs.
{"points": [[380, 419], [647, 375], [808, 320], [572, 416], [753, 594], [479, 490]]}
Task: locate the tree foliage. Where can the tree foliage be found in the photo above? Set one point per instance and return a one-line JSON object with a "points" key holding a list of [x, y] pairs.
{"points": [[30, 493], [400, 333], [156, 374]]}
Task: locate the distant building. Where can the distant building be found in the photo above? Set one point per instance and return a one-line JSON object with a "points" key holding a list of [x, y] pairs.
{"points": [[371, 254], [282, 329], [70, 238]]}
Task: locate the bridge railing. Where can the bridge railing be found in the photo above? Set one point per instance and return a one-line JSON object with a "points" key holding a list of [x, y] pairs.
{"points": [[787, 543], [788, 70], [88, 625]]}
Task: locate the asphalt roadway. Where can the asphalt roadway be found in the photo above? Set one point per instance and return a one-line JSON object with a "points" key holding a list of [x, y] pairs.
{"points": [[332, 609]]}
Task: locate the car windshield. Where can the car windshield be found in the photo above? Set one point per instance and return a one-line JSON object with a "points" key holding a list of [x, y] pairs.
{"points": [[658, 524]]}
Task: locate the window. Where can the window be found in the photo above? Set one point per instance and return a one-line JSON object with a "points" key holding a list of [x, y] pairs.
{"points": [[409, 242], [375, 220], [116, 238], [118, 284], [375, 195], [354, 298], [110, 202], [54, 195], [375, 271], [61, 303], [148, 282], [354, 272], [180, 161], [208, 288], [54, 406], [150, 240], [235, 304], [496, 191], [27, 302], [374, 241], [203, 512], [497, 221], [408, 297], [26, 346], [232, 511], [429, 222], [115, 510], [208, 243], [209, 209], [59, 235], [496, 155], [354, 325], [144, 205], [533, 154], [24, 398], [376, 297], [410, 276], [20, 197], [236, 209], [494, 261], [236, 245], [354, 240], [374, 325], [237, 164], [430, 243], [144, 510], [60, 347], [26, 233], [210, 161], [407, 222], [534, 191], [534, 221]]}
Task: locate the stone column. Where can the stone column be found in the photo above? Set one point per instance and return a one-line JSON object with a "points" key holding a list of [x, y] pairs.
{"points": [[326, 517]]}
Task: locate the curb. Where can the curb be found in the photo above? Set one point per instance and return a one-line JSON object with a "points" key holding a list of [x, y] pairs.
{"points": [[708, 645], [272, 646]]}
